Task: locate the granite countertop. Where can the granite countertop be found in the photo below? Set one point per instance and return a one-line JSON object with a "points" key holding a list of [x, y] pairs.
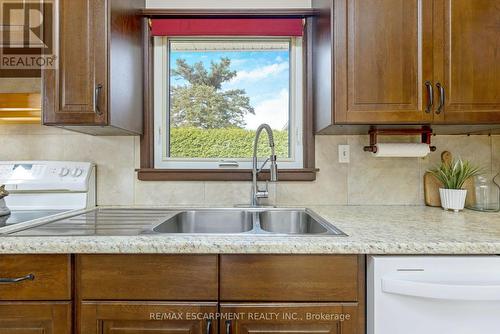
{"points": [[371, 230]]}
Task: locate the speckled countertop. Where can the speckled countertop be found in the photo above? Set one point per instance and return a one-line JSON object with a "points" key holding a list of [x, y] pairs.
{"points": [[371, 230]]}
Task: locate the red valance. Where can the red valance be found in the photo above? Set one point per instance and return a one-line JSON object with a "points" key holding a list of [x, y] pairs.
{"points": [[227, 27]]}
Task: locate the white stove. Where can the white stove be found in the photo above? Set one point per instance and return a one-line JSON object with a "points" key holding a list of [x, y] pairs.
{"points": [[40, 189]]}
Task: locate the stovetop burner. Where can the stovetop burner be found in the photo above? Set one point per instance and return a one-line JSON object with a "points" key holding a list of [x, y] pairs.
{"points": [[21, 216]]}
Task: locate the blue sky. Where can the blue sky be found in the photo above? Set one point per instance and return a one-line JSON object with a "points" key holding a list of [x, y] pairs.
{"points": [[264, 75]]}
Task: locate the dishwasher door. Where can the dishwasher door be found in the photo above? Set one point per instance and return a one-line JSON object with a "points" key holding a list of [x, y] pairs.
{"points": [[433, 294]]}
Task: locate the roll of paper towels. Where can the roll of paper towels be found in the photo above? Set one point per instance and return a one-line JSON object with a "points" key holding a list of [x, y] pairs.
{"points": [[402, 150]]}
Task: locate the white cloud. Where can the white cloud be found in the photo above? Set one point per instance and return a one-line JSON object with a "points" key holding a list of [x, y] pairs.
{"points": [[273, 112], [260, 72]]}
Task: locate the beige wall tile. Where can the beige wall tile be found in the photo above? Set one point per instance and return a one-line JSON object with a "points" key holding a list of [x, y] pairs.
{"points": [[227, 193], [477, 149], [169, 193], [381, 181], [365, 181], [330, 186], [31, 147], [32, 129], [391, 185], [114, 157]]}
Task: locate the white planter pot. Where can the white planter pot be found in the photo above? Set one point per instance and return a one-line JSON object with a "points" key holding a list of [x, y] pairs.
{"points": [[452, 199]]}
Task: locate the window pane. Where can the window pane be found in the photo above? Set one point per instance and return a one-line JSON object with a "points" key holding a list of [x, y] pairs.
{"points": [[222, 90]]}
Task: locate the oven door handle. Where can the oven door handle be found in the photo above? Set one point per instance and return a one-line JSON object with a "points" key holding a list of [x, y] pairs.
{"points": [[446, 290]]}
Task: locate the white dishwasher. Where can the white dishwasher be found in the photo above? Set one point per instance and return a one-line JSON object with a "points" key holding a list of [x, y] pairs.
{"points": [[433, 294]]}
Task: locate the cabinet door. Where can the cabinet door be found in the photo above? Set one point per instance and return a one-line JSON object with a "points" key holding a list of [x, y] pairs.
{"points": [[467, 59], [291, 318], [383, 58], [147, 317], [76, 92], [35, 318]]}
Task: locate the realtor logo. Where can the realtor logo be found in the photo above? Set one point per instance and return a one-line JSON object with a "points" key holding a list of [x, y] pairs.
{"points": [[27, 34]]}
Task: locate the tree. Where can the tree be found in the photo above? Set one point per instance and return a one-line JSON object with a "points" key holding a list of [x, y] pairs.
{"points": [[202, 103]]}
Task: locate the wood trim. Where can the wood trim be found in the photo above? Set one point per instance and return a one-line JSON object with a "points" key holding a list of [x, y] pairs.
{"points": [[151, 174], [147, 172], [205, 13], [308, 106], [147, 139]]}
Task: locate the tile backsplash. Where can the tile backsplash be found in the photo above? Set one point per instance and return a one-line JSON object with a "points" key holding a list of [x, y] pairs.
{"points": [[364, 181]]}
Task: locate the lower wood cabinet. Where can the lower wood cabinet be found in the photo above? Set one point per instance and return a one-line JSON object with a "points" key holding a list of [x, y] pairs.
{"points": [[147, 317], [296, 318], [226, 294], [35, 318]]}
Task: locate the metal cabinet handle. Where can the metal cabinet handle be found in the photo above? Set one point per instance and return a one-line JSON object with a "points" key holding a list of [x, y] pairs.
{"points": [[97, 96], [228, 326], [209, 326], [430, 96], [441, 98], [29, 277]]}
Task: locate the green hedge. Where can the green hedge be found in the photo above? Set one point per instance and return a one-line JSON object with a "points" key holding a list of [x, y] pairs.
{"points": [[220, 143]]}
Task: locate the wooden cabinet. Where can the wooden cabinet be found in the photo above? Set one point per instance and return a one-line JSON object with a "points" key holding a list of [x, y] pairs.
{"points": [[397, 61], [97, 85], [35, 317], [198, 293], [292, 294], [147, 317], [291, 318], [297, 278], [35, 277], [35, 294], [147, 277], [467, 59]]}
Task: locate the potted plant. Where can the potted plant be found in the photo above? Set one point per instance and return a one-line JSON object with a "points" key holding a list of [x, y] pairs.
{"points": [[453, 175]]}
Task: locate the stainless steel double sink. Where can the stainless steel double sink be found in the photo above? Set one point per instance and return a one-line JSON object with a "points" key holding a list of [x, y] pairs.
{"points": [[247, 221]]}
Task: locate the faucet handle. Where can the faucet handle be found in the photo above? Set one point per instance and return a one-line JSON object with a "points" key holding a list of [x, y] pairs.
{"points": [[263, 193]]}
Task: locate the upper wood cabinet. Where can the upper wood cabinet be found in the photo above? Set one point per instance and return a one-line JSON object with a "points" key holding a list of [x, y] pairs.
{"points": [[97, 85], [467, 59], [406, 62]]}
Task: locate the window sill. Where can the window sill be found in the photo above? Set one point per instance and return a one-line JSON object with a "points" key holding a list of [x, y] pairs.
{"points": [[149, 174]]}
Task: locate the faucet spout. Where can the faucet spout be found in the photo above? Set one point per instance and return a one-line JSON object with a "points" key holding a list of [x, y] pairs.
{"points": [[273, 169]]}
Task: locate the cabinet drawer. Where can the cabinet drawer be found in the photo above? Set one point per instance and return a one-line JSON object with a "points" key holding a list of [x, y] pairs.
{"points": [[147, 277], [35, 318], [126, 317], [50, 277], [289, 278]]}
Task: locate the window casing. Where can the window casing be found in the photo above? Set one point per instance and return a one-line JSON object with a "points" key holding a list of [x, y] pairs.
{"points": [[162, 159]]}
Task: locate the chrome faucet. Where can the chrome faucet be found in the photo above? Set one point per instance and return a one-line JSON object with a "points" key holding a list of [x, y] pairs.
{"points": [[273, 168]]}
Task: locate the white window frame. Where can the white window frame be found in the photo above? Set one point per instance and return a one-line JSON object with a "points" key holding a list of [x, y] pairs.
{"points": [[161, 105]]}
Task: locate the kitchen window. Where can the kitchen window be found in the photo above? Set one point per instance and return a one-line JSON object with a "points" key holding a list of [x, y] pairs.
{"points": [[212, 93], [212, 80]]}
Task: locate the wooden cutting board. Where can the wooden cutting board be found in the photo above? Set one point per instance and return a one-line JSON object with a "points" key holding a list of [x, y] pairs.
{"points": [[432, 185]]}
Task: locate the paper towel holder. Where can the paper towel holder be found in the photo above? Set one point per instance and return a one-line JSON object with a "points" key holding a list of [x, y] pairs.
{"points": [[425, 132]]}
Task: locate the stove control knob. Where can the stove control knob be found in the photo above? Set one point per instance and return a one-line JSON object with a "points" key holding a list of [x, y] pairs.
{"points": [[64, 172], [77, 172]]}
